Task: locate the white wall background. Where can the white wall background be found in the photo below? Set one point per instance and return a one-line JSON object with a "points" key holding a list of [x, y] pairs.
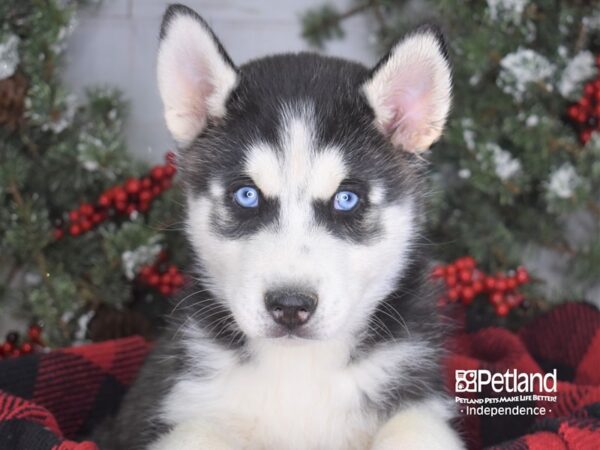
{"points": [[115, 44]]}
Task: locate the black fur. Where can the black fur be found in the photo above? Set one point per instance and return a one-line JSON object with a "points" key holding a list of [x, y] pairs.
{"points": [[343, 119]]}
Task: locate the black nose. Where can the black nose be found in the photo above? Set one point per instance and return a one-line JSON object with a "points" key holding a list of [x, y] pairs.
{"points": [[290, 308]]}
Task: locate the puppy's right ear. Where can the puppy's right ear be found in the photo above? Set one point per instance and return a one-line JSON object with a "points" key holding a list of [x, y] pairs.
{"points": [[195, 75]]}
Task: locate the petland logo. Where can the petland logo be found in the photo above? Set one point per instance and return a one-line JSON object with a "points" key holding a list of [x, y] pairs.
{"points": [[512, 386], [510, 381]]}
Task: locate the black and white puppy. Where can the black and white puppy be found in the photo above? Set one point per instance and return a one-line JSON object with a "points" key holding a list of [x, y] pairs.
{"points": [[314, 326]]}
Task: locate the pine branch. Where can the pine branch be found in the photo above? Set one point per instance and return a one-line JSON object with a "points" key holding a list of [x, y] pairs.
{"points": [[324, 23]]}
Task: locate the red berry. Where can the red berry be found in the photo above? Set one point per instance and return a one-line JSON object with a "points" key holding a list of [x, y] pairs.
{"points": [[58, 233], [451, 280], [156, 190], [131, 208], [496, 298], [438, 272], [453, 294], [7, 348], [121, 206], [145, 272], [589, 89], [166, 184], [467, 294], [477, 286], [145, 196], [465, 275], [585, 136], [74, 216], [172, 269], [86, 225], [120, 195], [154, 280], [490, 283], [133, 186], [511, 283], [86, 209], [146, 183], [104, 201], [97, 218], [165, 289], [451, 269], [34, 333], [502, 310], [170, 170], [166, 278], [178, 280], [157, 173], [469, 262], [75, 229], [501, 283], [26, 348], [573, 112], [522, 275]]}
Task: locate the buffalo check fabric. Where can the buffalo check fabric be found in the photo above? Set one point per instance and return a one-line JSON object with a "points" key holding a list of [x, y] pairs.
{"points": [[53, 400], [46, 399], [566, 339]]}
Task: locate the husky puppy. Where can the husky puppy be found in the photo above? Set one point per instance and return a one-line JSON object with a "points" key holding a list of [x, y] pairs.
{"points": [[314, 325]]}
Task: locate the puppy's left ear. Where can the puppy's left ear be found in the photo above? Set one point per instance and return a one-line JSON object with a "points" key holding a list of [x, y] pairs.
{"points": [[410, 91]]}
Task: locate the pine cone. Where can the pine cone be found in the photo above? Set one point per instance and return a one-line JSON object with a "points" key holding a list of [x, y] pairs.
{"points": [[111, 323], [12, 100]]}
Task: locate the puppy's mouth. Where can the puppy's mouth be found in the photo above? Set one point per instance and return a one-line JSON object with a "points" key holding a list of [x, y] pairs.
{"points": [[285, 334]]}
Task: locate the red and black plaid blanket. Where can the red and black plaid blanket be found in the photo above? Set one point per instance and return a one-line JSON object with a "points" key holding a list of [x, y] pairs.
{"points": [[50, 401]]}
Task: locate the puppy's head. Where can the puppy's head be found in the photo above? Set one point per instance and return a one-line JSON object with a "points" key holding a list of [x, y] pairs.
{"points": [[302, 173]]}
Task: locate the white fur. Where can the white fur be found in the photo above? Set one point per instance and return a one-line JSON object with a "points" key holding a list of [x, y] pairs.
{"points": [[422, 426], [410, 92], [287, 396], [193, 77]]}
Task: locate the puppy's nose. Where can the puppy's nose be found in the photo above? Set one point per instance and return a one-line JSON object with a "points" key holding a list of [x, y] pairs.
{"points": [[290, 308]]}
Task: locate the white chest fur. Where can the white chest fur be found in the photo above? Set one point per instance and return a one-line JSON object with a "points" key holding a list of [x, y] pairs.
{"points": [[286, 396]]}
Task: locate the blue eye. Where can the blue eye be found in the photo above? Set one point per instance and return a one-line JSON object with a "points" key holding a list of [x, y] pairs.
{"points": [[345, 200], [246, 197]]}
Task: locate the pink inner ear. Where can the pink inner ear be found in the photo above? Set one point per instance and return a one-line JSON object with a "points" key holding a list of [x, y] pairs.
{"points": [[408, 104], [194, 84]]}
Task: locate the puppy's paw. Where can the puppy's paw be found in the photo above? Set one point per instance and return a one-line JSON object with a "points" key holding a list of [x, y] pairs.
{"points": [[194, 436], [415, 428]]}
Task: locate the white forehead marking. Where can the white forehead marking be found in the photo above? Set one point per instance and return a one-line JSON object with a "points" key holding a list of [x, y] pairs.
{"points": [[263, 166], [301, 168], [298, 149], [327, 174]]}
